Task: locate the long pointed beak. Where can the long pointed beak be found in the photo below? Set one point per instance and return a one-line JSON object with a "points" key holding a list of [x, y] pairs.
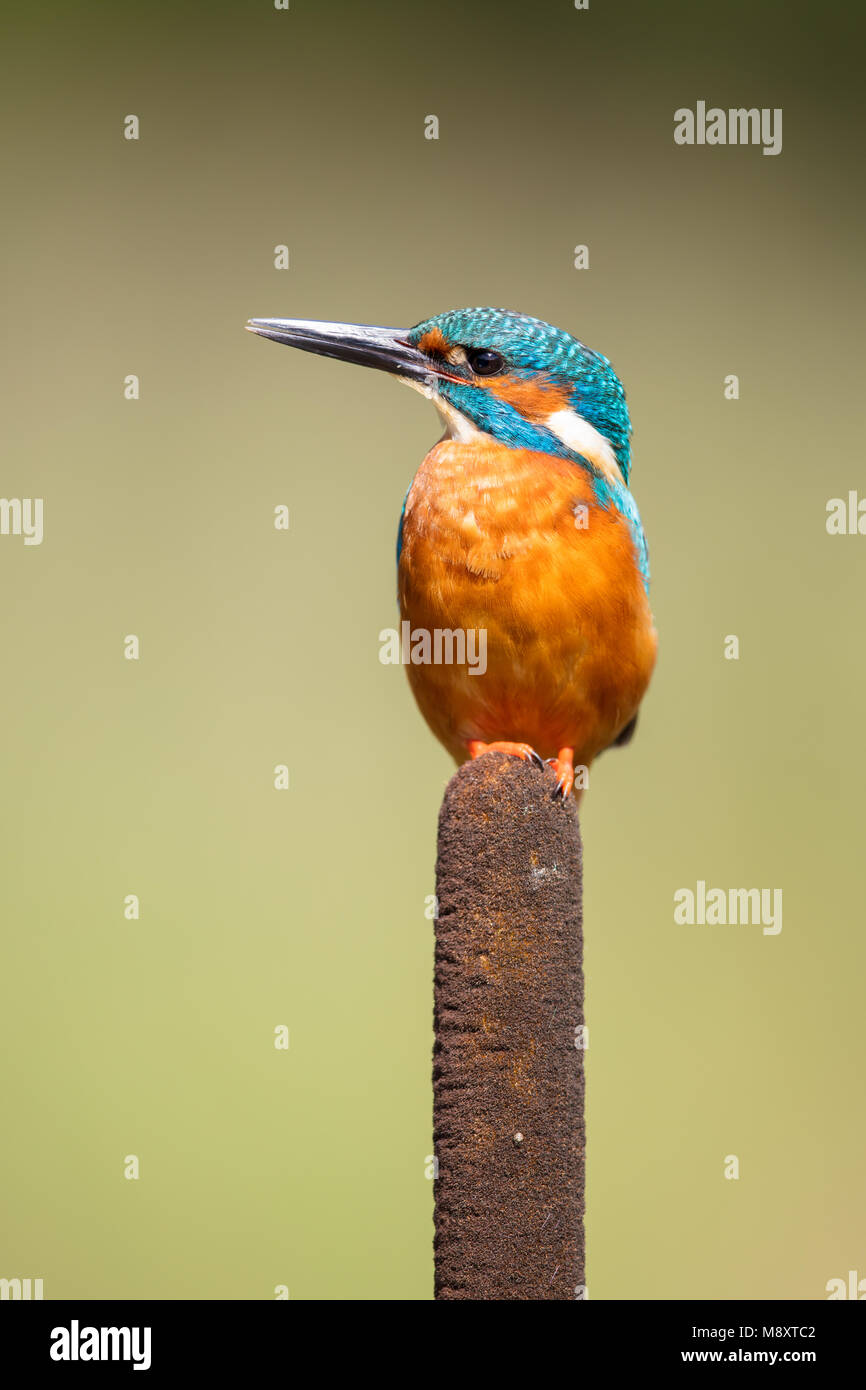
{"points": [[385, 348]]}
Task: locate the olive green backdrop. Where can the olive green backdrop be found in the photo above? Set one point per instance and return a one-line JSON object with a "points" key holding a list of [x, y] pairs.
{"points": [[306, 907]]}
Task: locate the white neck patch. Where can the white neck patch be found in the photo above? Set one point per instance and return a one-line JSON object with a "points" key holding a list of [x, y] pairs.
{"points": [[578, 434], [575, 432]]}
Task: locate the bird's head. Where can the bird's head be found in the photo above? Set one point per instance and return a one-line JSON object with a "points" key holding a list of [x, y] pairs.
{"points": [[494, 372]]}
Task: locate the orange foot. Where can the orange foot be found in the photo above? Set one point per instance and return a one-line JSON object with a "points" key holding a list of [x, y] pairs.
{"points": [[515, 750], [564, 766]]}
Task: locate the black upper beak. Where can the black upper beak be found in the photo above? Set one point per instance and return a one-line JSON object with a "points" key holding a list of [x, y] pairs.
{"points": [[385, 348]]}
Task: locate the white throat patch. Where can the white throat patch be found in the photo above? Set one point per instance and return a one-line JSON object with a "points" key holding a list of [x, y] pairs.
{"points": [[457, 426]]}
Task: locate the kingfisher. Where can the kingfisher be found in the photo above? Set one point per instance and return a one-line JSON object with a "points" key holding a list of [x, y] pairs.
{"points": [[519, 524]]}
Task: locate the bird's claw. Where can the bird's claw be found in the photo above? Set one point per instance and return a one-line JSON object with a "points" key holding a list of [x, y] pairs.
{"points": [[515, 750], [564, 765]]}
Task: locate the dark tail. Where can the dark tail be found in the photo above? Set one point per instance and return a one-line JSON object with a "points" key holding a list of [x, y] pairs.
{"points": [[625, 735]]}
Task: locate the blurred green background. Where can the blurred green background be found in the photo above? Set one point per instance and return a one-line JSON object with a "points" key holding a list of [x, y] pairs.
{"points": [[306, 908]]}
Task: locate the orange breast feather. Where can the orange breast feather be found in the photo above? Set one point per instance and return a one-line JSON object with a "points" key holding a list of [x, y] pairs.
{"points": [[514, 544]]}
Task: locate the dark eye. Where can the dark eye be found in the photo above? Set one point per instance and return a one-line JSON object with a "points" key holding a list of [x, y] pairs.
{"points": [[484, 362]]}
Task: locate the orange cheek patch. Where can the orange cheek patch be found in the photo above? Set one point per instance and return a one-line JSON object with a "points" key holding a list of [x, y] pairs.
{"points": [[433, 341], [535, 399]]}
